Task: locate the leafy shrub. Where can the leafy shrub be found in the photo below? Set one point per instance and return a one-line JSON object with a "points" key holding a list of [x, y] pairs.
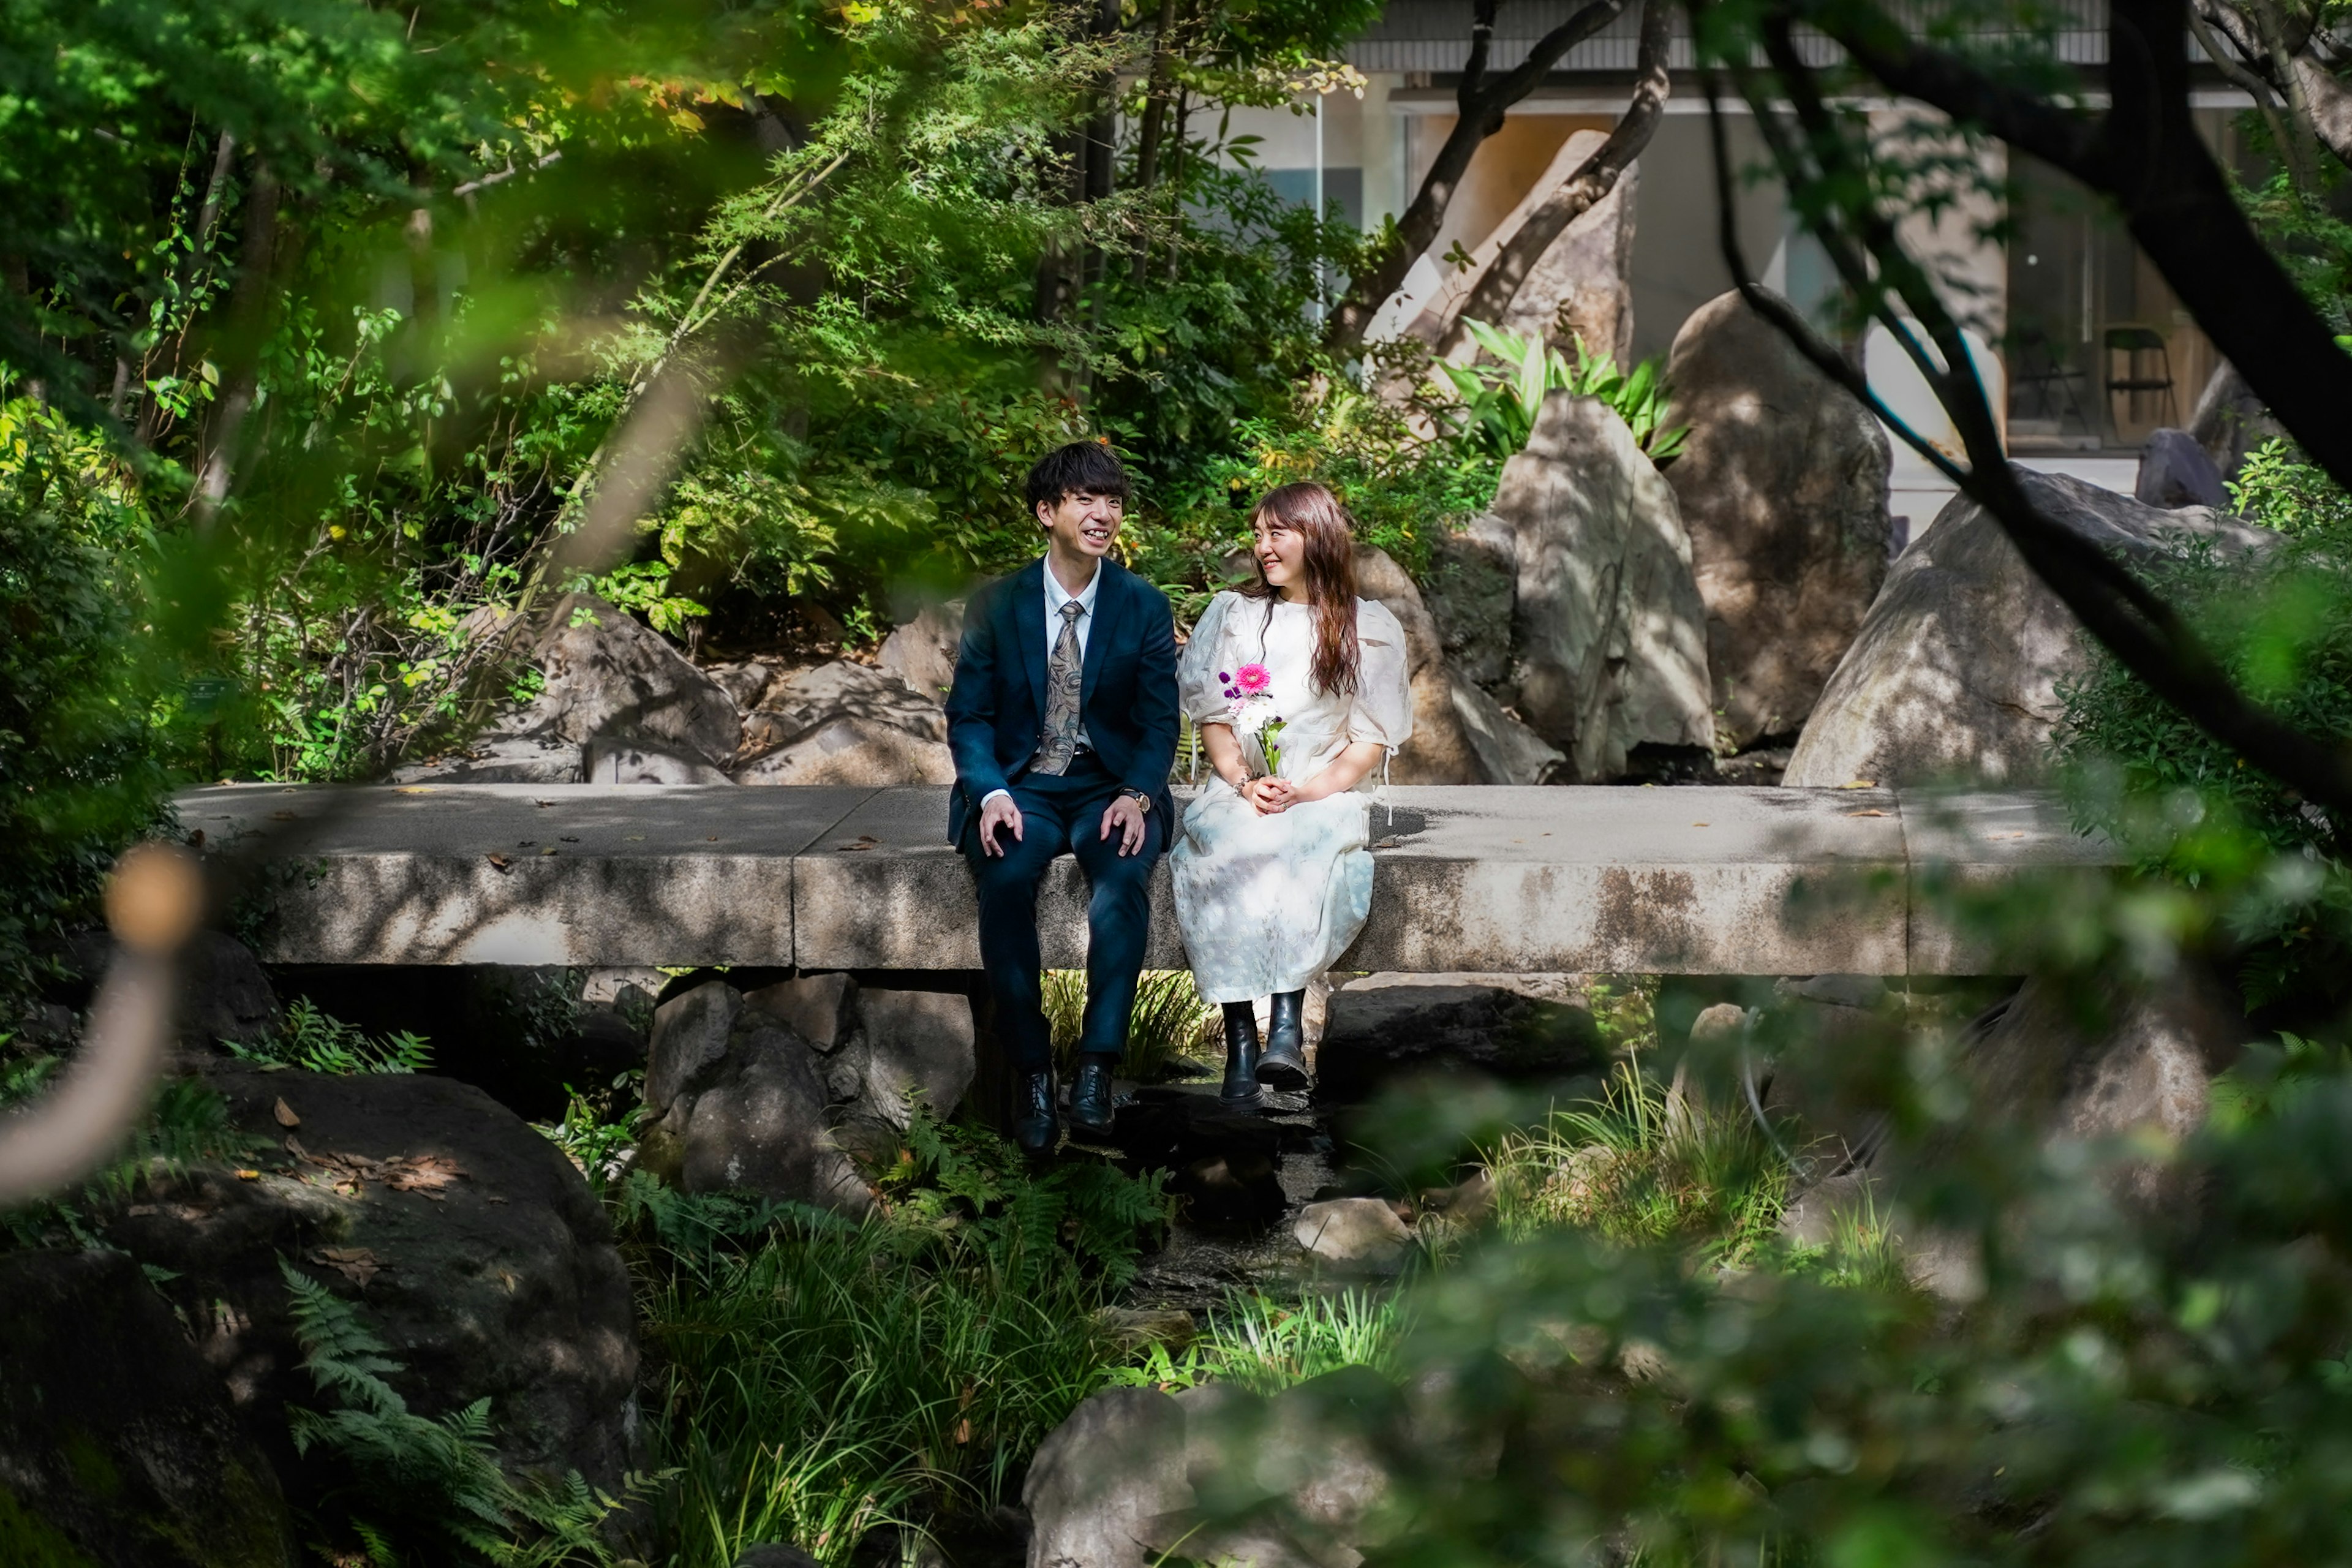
{"points": [[2280, 623], [81, 773]]}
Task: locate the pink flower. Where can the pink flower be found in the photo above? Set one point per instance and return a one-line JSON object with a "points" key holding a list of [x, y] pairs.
{"points": [[1252, 678]]}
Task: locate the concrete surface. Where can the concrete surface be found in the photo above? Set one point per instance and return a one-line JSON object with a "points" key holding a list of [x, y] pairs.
{"points": [[1533, 881]]}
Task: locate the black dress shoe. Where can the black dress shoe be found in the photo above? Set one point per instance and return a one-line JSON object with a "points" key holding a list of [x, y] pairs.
{"points": [[1036, 1126], [1090, 1107], [1284, 1065], [1241, 1052]]}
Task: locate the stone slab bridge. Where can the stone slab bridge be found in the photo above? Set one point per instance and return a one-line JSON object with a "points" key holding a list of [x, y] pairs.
{"points": [[1539, 881]]}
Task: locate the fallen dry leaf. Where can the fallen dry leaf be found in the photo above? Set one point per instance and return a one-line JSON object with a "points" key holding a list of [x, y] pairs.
{"points": [[1860, 784], [501, 861], [282, 816], [285, 1113], [427, 1173], [414, 789], [1702, 824], [1870, 811], [248, 1176], [356, 1264], [863, 841], [1386, 844], [549, 850]]}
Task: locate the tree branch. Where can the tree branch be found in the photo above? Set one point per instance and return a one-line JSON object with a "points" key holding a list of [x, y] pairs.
{"points": [[2146, 155], [1584, 190], [2142, 632], [1480, 114]]}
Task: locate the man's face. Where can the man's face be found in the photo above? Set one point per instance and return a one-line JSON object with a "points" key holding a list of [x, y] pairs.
{"points": [[1081, 523]]}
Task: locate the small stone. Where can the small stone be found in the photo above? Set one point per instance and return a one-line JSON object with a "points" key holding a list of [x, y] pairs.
{"points": [[1361, 1232]]}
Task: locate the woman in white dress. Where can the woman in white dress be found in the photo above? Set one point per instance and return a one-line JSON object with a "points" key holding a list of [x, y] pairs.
{"points": [[1299, 690]]}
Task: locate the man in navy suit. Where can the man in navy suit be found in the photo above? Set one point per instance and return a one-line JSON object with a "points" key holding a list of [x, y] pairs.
{"points": [[1063, 722]]}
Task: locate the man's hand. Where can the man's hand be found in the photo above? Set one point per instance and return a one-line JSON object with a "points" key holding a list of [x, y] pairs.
{"points": [[998, 811], [1269, 794], [1125, 814]]}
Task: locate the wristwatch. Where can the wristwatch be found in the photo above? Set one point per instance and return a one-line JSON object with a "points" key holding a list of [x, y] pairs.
{"points": [[1142, 801]]}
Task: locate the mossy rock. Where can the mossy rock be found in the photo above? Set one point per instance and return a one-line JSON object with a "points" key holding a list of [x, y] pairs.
{"points": [[118, 1447]]}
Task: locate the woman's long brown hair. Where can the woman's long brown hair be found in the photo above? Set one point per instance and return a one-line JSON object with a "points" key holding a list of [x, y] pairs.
{"points": [[1329, 568]]}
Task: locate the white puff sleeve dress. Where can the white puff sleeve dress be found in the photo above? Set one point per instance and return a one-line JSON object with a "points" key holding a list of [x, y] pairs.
{"points": [[1267, 903]]}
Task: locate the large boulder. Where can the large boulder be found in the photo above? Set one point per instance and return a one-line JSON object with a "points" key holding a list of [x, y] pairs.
{"points": [[1783, 489], [2175, 471], [770, 1093], [2132, 1057], [1608, 627], [605, 674], [2229, 421], [1216, 1474], [922, 652], [1438, 752], [118, 1447], [1380, 1027], [225, 995], [1102, 1482], [1506, 750], [1472, 580], [844, 724], [1955, 670], [465, 1239], [633, 760]]}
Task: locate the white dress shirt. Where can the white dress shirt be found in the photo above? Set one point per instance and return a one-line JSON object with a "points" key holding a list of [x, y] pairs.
{"points": [[1056, 597]]}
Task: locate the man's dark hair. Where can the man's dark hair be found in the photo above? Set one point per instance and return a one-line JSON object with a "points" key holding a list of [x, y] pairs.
{"points": [[1082, 466]]}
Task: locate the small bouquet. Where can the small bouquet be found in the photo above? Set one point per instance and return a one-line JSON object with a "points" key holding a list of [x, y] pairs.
{"points": [[1251, 714]]}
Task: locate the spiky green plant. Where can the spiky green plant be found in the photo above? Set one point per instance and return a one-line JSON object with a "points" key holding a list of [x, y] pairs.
{"points": [[1641, 1164]]}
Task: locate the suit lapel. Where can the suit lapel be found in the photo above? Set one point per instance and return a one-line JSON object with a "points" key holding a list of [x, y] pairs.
{"points": [[1029, 627], [1108, 602]]}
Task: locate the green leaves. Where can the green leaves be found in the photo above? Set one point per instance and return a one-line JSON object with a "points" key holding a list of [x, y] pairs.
{"points": [[1499, 403]]}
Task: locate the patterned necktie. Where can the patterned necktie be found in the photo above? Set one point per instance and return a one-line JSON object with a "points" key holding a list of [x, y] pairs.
{"points": [[1058, 742]]}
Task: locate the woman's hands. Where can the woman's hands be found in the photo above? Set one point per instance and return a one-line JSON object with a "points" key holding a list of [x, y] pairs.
{"points": [[1269, 796]]}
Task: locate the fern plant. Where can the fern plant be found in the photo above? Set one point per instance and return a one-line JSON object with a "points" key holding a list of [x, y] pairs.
{"points": [[971, 1184], [427, 1487], [314, 1039]]}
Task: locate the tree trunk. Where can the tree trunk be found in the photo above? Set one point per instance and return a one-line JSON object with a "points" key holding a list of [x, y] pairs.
{"points": [[1155, 122], [241, 342]]}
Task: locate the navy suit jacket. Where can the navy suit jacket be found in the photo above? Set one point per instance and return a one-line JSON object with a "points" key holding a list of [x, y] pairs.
{"points": [[1126, 697]]}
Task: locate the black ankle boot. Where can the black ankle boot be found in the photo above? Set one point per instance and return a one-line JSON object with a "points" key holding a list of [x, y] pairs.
{"points": [[1090, 1105], [1037, 1127], [1284, 1065], [1241, 1052]]}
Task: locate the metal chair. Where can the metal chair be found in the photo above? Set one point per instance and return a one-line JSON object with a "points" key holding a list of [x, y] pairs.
{"points": [[2134, 342], [2039, 370]]}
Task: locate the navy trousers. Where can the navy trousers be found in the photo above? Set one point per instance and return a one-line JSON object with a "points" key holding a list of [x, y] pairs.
{"points": [[1063, 816]]}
